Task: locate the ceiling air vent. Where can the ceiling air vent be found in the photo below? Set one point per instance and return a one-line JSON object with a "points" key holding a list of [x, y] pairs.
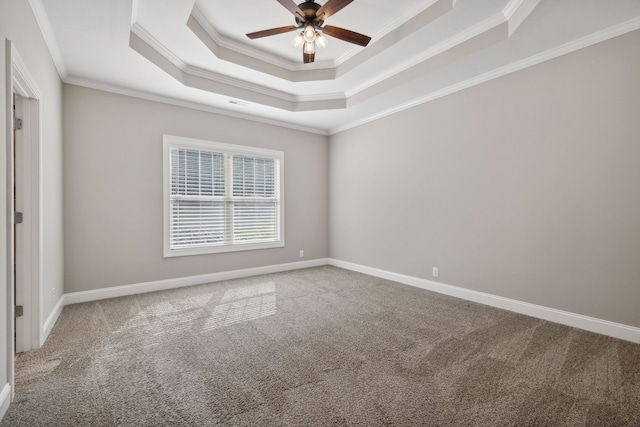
{"points": [[240, 103]]}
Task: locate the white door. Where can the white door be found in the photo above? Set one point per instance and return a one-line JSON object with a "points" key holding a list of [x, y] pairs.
{"points": [[20, 276]]}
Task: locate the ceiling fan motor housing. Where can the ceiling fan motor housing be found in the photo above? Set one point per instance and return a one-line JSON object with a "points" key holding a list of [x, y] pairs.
{"points": [[309, 8]]}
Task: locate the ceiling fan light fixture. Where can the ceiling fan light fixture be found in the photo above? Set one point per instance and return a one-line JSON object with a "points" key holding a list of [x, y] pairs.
{"points": [[310, 17], [309, 47], [321, 40], [298, 40], [309, 33]]}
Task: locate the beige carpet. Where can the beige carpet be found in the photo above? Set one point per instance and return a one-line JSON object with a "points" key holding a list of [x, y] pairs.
{"points": [[316, 347]]}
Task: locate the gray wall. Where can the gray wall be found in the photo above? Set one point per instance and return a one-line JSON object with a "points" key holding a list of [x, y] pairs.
{"points": [[113, 189], [18, 24], [526, 187]]}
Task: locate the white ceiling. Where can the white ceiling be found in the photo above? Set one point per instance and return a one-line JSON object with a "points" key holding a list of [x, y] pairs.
{"points": [[195, 52]]}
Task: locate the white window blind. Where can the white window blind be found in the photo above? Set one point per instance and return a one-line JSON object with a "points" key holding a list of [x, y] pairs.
{"points": [[221, 197]]}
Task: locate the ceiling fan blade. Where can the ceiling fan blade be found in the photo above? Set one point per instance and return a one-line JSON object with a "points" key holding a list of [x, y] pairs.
{"points": [[271, 32], [346, 35], [308, 57], [331, 7], [292, 7]]}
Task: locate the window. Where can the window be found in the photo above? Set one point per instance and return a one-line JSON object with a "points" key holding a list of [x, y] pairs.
{"points": [[220, 197]]}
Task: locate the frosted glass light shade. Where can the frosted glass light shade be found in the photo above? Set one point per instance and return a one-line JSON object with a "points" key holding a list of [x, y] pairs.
{"points": [[309, 47], [309, 34], [321, 40], [298, 40]]}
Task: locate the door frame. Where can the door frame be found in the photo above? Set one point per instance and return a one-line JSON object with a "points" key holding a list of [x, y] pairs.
{"points": [[29, 289]]}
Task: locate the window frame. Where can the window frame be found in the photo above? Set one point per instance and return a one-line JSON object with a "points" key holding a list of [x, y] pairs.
{"points": [[170, 141]]}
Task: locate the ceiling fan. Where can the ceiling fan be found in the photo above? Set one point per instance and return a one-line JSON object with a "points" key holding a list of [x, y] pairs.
{"points": [[310, 17]]}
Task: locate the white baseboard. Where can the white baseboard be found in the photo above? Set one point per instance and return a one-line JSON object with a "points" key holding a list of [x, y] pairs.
{"points": [[5, 399], [51, 320], [161, 285], [592, 324]]}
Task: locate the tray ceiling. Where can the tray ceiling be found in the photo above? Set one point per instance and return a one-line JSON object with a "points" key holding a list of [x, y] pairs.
{"points": [[196, 54]]}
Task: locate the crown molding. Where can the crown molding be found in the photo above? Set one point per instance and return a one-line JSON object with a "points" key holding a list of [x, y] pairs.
{"points": [[134, 93], [405, 17], [321, 97], [241, 54], [261, 62], [511, 8], [436, 10], [581, 43], [244, 49], [567, 48], [236, 46], [472, 39], [49, 36], [394, 24], [238, 89], [517, 11], [241, 84], [134, 11], [154, 51], [458, 39], [139, 31], [151, 49]]}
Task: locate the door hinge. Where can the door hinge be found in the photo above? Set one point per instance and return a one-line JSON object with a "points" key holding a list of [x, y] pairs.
{"points": [[17, 217], [17, 123], [19, 311]]}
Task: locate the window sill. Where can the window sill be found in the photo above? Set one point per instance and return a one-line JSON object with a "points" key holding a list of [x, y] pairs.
{"points": [[170, 253]]}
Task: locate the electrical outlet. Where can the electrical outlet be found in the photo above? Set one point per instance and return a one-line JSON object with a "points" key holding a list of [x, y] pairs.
{"points": [[301, 253], [435, 272]]}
